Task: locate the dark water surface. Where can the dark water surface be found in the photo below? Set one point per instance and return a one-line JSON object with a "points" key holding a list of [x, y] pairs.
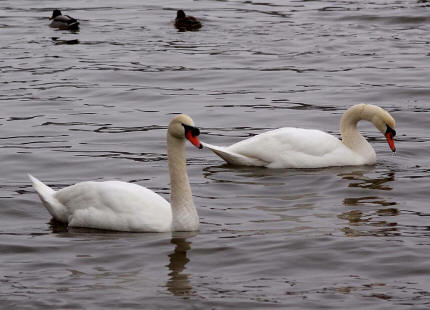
{"points": [[338, 238]]}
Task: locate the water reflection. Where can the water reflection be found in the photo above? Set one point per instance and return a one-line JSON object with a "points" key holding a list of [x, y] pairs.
{"points": [[366, 200], [361, 180], [226, 173], [57, 227], [178, 283], [62, 230], [364, 221], [59, 41]]}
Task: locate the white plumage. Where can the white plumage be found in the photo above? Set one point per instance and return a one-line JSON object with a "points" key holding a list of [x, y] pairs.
{"points": [[121, 206], [309, 148]]}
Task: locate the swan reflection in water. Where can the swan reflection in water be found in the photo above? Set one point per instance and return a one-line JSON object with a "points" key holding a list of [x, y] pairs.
{"points": [[360, 179], [365, 222], [178, 283]]}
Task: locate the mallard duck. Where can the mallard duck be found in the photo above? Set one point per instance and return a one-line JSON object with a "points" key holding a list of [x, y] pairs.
{"points": [[184, 22], [63, 22]]}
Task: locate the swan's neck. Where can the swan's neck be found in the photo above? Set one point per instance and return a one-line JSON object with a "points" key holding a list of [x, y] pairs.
{"points": [[351, 137], [184, 213]]}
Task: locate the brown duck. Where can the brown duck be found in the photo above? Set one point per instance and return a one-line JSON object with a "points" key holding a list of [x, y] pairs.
{"points": [[186, 22]]}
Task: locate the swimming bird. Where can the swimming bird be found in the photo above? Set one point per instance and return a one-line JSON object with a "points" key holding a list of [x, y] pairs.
{"points": [[63, 22], [122, 206], [309, 148], [186, 22]]}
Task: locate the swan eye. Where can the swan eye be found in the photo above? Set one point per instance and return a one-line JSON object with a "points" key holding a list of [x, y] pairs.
{"points": [[194, 130], [390, 130]]}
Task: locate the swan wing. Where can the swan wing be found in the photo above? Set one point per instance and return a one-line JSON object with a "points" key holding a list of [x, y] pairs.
{"points": [[234, 158], [115, 205], [110, 205]]}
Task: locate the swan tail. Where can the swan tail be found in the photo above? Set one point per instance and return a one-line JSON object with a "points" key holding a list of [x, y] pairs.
{"points": [[47, 195], [234, 158]]}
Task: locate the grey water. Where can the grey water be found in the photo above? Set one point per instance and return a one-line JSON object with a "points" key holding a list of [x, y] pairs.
{"points": [[335, 238]]}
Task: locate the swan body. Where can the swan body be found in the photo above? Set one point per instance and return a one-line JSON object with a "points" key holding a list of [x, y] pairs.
{"points": [[111, 205], [309, 148], [63, 22], [122, 206], [291, 148]]}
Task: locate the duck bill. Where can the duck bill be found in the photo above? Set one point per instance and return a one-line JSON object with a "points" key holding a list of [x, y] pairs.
{"points": [[390, 139], [194, 140]]}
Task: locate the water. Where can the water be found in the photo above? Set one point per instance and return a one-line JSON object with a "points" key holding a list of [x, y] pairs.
{"points": [[346, 237]]}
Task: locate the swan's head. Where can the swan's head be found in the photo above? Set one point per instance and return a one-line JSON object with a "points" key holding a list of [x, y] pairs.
{"points": [[182, 126], [384, 122], [55, 13]]}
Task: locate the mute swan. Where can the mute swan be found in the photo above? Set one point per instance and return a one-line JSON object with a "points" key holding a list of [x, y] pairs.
{"points": [[309, 148], [63, 22], [186, 22], [121, 206]]}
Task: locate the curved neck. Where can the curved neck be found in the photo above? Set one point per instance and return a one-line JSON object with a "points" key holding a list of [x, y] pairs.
{"points": [[184, 213], [351, 137]]}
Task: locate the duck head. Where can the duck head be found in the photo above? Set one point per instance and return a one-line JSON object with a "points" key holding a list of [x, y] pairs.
{"points": [[180, 14], [55, 13]]}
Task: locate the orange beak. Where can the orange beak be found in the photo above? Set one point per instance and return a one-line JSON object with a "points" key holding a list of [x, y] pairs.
{"points": [[390, 139], [194, 140]]}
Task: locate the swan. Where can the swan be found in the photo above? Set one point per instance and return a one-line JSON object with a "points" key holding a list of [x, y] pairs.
{"points": [[63, 22], [186, 22], [121, 206], [309, 148]]}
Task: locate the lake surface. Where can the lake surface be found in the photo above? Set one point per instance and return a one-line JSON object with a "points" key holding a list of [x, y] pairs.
{"points": [[337, 238]]}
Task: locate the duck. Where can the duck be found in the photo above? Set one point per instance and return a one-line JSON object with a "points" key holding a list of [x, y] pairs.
{"points": [[63, 22], [121, 206], [310, 148], [186, 22]]}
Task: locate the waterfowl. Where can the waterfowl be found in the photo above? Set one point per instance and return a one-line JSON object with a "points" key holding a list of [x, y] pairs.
{"points": [[309, 148], [122, 206], [186, 22], [63, 22]]}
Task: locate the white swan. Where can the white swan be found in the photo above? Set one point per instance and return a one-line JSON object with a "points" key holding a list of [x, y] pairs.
{"points": [[121, 206], [309, 148]]}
